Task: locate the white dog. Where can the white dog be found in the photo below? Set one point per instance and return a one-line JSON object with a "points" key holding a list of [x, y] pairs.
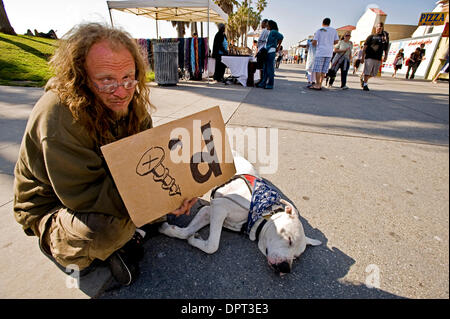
{"points": [[280, 234]]}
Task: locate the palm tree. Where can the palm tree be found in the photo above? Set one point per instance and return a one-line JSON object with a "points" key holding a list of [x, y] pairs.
{"points": [[5, 26], [244, 16], [227, 5], [261, 5], [181, 27]]}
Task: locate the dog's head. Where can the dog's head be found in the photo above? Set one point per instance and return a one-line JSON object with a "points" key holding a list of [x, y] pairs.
{"points": [[283, 239]]}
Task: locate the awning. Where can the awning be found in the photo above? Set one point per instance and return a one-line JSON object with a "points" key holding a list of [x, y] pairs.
{"points": [[173, 10]]}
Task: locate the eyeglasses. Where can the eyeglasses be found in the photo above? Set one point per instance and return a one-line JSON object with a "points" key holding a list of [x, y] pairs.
{"points": [[114, 85], [347, 35]]}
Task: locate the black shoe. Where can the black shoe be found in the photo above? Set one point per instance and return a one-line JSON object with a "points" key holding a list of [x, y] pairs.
{"points": [[366, 88], [124, 263]]}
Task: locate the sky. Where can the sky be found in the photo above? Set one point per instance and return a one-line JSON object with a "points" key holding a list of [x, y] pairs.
{"points": [[296, 18]]}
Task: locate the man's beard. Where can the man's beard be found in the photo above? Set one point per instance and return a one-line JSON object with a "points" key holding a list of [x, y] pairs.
{"points": [[120, 114]]}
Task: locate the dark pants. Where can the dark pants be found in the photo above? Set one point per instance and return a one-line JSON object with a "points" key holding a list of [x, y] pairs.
{"points": [[414, 67], [220, 69], [269, 71], [344, 74]]}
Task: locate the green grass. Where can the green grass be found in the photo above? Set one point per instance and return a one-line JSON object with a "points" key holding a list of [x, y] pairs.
{"points": [[24, 60]]}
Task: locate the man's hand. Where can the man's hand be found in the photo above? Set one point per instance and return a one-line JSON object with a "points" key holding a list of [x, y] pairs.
{"points": [[185, 209]]}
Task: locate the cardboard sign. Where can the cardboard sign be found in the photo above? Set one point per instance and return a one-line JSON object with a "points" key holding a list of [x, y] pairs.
{"points": [[156, 170]]}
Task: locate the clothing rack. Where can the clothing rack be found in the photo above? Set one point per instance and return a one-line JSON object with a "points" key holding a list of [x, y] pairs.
{"points": [[192, 54]]}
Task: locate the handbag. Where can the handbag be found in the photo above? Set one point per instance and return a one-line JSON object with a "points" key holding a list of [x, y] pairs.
{"points": [[337, 60], [407, 61]]}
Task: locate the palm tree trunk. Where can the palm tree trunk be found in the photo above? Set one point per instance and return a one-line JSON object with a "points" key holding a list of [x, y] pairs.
{"points": [[5, 26]]}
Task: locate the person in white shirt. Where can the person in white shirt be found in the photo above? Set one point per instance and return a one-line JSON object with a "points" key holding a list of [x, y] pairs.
{"points": [[358, 56], [262, 52], [262, 40], [324, 40]]}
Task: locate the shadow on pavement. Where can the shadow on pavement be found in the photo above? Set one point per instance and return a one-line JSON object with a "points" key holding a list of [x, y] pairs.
{"points": [[393, 109], [172, 269]]}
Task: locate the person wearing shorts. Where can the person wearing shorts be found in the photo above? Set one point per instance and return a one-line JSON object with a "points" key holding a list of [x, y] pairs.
{"points": [[324, 40], [375, 45], [398, 61], [444, 69]]}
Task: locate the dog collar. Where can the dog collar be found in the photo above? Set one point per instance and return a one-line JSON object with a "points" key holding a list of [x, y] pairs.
{"points": [[259, 225]]}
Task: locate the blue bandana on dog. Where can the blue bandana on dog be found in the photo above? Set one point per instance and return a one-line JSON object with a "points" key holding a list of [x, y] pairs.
{"points": [[265, 200]]}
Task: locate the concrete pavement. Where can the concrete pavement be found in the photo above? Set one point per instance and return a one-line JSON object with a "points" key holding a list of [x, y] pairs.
{"points": [[369, 172]]}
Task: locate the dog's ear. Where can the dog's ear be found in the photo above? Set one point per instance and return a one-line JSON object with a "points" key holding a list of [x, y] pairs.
{"points": [[288, 208], [312, 242]]}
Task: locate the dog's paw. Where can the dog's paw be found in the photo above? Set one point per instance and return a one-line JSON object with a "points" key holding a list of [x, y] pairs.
{"points": [[194, 239], [197, 235], [165, 229]]}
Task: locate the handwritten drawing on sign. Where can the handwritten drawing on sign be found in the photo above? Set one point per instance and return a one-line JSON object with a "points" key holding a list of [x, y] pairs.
{"points": [[152, 162], [153, 181]]}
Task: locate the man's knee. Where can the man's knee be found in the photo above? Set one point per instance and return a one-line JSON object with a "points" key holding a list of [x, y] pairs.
{"points": [[79, 238]]}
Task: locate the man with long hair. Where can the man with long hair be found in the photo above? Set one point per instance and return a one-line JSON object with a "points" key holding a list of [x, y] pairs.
{"points": [[63, 191]]}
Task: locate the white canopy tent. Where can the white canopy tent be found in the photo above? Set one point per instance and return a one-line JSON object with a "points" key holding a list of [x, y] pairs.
{"points": [[172, 10]]}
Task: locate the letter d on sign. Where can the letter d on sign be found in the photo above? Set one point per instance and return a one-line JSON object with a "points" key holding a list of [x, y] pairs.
{"points": [[210, 158]]}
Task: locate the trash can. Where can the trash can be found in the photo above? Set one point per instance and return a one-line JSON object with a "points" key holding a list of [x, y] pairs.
{"points": [[166, 62]]}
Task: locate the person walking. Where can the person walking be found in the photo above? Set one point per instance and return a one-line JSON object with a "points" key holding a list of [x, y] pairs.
{"points": [[324, 40], [341, 60], [273, 46], [311, 53], [220, 48], [358, 56], [413, 63], [398, 61], [279, 57], [375, 45], [422, 58], [444, 69]]}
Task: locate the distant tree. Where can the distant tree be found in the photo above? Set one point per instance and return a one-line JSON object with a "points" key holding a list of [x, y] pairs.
{"points": [[245, 16], [181, 28], [227, 5], [5, 26], [261, 5]]}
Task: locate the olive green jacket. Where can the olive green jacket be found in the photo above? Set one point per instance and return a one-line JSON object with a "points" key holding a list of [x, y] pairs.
{"points": [[60, 165]]}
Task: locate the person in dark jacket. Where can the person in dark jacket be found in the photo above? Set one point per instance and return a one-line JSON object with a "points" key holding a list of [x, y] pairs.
{"points": [[220, 48]]}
